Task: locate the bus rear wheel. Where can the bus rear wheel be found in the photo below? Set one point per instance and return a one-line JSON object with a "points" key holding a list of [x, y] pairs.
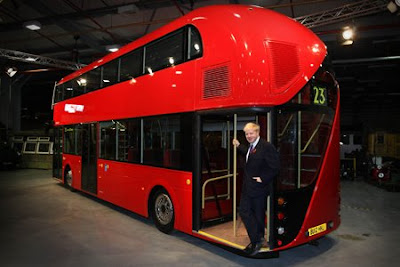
{"points": [[163, 211]]}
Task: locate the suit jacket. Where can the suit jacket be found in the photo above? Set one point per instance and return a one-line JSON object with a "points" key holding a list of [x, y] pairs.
{"points": [[263, 162]]}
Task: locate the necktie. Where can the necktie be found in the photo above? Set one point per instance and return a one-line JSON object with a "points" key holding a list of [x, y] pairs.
{"points": [[248, 153]]}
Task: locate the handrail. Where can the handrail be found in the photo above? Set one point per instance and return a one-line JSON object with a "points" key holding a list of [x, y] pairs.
{"points": [[211, 180], [314, 133], [214, 171], [286, 126]]}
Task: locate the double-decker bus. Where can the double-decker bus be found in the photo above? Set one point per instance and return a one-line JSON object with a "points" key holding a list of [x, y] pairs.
{"points": [[150, 127]]}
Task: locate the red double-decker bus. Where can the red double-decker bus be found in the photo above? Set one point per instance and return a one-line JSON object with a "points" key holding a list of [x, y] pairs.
{"points": [[150, 127]]}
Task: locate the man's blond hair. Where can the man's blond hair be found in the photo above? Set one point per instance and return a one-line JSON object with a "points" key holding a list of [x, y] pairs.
{"points": [[251, 126]]}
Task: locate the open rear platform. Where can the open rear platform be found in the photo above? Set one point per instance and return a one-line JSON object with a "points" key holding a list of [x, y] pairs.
{"points": [[224, 233]]}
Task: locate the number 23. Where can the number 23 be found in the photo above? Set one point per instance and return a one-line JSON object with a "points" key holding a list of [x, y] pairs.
{"points": [[319, 95]]}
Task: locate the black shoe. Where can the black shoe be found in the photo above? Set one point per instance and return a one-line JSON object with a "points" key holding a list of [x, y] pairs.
{"points": [[256, 248], [249, 248]]}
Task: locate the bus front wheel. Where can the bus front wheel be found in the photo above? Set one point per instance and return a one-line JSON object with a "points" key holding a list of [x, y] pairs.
{"points": [[163, 211]]}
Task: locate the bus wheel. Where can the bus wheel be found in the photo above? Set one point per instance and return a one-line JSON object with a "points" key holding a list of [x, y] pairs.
{"points": [[68, 180], [163, 211]]}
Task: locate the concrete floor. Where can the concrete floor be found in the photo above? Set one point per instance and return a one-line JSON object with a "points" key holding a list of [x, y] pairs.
{"points": [[44, 224]]}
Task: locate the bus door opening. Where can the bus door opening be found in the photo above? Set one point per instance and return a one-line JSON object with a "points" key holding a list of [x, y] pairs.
{"points": [[89, 158], [222, 174]]}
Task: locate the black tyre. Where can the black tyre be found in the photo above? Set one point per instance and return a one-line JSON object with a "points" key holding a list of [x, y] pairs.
{"points": [[68, 177], [162, 211]]}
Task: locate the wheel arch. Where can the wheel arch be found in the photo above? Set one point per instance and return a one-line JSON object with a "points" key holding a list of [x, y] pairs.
{"points": [[67, 168]]}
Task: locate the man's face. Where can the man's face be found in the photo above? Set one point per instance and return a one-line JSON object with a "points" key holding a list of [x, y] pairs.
{"points": [[251, 135]]}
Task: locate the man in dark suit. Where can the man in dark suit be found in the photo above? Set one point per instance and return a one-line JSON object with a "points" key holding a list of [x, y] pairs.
{"points": [[262, 165]]}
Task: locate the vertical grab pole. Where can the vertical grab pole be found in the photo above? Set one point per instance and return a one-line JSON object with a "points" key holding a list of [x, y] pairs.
{"points": [[234, 173], [228, 139]]}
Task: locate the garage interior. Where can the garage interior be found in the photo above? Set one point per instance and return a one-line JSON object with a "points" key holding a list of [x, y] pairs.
{"points": [[44, 224]]}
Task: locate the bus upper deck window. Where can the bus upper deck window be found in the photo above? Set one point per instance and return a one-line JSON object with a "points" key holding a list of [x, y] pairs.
{"points": [[195, 46]]}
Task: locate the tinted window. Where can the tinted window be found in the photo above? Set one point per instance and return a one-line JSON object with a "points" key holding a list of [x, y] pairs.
{"points": [[93, 80], [195, 46], [79, 85], [131, 65], [68, 90], [69, 140], [167, 141], [110, 73], [165, 52], [108, 140], [59, 94], [129, 140]]}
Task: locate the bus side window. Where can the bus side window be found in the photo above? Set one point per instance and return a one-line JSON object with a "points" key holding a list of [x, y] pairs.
{"points": [[108, 140], [93, 80], [110, 73], [165, 52], [194, 43], [129, 140], [69, 140], [68, 90], [59, 96], [131, 65]]}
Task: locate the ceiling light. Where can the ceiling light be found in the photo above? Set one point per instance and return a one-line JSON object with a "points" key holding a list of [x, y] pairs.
{"points": [[112, 48], [347, 36], [393, 6], [11, 71], [33, 25], [31, 59]]}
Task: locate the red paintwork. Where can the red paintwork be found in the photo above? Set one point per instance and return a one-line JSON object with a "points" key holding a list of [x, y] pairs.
{"points": [[129, 186], [231, 36], [246, 39]]}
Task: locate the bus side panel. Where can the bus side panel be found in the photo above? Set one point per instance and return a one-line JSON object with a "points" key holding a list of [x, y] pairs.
{"points": [[129, 186], [325, 203], [166, 91], [75, 163]]}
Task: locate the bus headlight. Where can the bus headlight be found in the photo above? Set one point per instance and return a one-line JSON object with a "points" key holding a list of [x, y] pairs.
{"points": [[281, 230]]}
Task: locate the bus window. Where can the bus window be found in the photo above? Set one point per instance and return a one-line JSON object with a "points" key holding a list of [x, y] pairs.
{"points": [[110, 73], [162, 141], [59, 95], [68, 90], [93, 80], [80, 87], [129, 140], [131, 65], [72, 140], [165, 52], [107, 140], [195, 46], [307, 154]]}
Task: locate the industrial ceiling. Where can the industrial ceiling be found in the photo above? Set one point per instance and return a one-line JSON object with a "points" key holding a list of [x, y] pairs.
{"points": [[74, 32]]}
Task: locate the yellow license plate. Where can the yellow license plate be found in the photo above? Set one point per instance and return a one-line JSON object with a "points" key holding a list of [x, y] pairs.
{"points": [[317, 229]]}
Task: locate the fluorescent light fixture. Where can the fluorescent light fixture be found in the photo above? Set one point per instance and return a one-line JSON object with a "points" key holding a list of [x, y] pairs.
{"points": [[33, 25], [31, 59], [112, 48], [106, 81], [11, 71]]}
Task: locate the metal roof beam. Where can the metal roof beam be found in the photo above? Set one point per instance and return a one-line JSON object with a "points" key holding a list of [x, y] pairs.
{"points": [[40, 60], [349, 11]]}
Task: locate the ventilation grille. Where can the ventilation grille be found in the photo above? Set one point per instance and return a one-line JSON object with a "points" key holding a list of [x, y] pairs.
{"points": [[285, 66], [216, 82]]}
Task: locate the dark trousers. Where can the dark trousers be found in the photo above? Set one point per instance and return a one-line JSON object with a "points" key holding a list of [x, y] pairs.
{"points": [[252, 212]]}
